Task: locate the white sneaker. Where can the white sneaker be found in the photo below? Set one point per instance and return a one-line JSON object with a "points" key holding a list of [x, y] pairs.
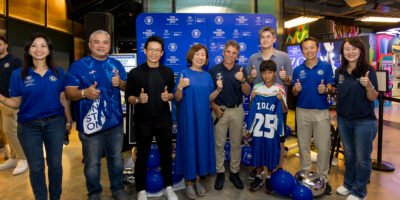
{"points": [[142, 195], [10, 163], [341, 190], [169, 193], [352, 197], [21, 167]]}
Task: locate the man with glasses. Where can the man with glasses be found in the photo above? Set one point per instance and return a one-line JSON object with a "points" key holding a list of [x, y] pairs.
{"points": [[149, 88]]}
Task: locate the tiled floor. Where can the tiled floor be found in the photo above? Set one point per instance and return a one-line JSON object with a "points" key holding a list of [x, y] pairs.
{"points": [[383, 186]]}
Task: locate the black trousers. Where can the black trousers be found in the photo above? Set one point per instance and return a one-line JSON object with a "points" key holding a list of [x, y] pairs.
{"points": [[145, 130]]}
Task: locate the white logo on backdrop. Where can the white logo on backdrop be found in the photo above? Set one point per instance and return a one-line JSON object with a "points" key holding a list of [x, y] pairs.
{"points": [[219, 20], [196, 33], [243, 46], [218, 59], [148, 20], [172, 47]]}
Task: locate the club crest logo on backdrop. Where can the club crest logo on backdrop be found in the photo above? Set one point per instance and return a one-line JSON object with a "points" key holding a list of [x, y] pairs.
{"points": [[148, 20], [218, 59], [219, 20], [242, 46], [196, 33], [172, 47]]}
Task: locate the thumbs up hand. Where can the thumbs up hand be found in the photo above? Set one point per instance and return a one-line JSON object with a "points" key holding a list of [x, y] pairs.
{"points": [[92, 92], [322, 87], [297, 86], [279, 95], [219, 83], [239, 75], [253, 72], [282, 73], [115, 80], [364, 81], [183, 82], [143, 97], [165, 94]]}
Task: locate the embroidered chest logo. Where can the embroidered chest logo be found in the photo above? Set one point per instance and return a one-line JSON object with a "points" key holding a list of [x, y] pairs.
{"points": [[302, 74], [29, 81], [320, 72], [6, 65], [341, 78], [52, 78]]}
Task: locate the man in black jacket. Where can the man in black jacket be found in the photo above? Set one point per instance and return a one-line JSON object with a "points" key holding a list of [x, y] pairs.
{"points": [[149, 87]]}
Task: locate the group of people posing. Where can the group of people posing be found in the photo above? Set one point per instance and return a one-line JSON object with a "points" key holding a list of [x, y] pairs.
{"points": [[209, 103]]}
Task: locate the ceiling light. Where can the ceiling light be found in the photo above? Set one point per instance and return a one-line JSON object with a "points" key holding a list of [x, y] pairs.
{"points": [[301, 20], [379, 19]]}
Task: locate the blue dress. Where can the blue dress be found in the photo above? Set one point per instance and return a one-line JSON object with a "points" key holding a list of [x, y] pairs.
{"points": [[195, 154]]}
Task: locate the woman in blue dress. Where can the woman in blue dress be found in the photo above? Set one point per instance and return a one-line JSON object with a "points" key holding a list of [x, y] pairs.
{"points": [[195, 154]]}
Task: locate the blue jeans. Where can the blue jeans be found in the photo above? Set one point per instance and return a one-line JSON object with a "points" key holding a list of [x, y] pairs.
{"points": [[32, 135], [109, 142], [357, 137]]}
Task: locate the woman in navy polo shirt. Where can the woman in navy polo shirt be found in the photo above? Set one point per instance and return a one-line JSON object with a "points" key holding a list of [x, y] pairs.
{"points": [[37, 89], [356, 82]]}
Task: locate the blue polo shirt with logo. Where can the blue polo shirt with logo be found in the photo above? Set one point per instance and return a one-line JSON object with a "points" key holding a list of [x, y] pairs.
{"points": [[352, 101], [232, 91], [105, 112], [40, 95], [309, 98]]}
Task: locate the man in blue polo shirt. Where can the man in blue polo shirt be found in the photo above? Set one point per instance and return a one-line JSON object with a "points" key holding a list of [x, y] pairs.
{"points": [[228, 113], [93, 83], [312, 80]]}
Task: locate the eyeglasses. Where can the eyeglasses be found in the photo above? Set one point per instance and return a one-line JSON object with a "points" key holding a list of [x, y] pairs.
{"points": [[154, 50]]}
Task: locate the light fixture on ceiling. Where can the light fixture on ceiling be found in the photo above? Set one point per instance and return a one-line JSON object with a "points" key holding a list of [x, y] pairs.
{"points": [[301, 20], [379, 19]]}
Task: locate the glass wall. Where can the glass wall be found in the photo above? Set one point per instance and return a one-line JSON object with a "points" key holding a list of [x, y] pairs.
{"points": [[210, 6], [157, 6]]}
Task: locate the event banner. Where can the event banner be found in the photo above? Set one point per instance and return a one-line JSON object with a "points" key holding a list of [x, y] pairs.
{"points": [[181, 31]]}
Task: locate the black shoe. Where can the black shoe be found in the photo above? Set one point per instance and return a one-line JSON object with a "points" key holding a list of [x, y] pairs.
{"points": [[219, 181], [253, 174], [256, 184], [120, 195], [328, 189], [268, 186], [235, 179], [96, 196]]}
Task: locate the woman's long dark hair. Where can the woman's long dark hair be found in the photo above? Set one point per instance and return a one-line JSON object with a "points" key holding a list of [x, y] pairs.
{"points": [[362, 65], [28, 60]]}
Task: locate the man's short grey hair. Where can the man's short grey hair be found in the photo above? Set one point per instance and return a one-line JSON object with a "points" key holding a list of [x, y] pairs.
{"points": [[98, 32]]}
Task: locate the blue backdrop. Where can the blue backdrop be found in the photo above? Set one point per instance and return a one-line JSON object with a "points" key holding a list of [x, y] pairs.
{"points": [[181, 31]]}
